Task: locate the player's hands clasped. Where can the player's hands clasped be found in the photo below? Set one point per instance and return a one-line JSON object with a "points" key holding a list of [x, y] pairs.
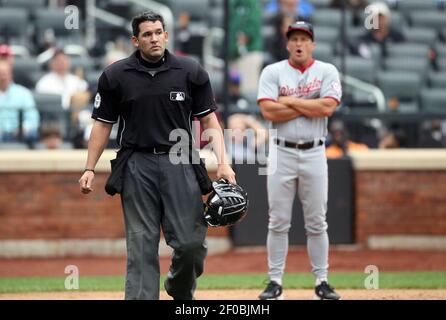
{"points": [[86, 182]]}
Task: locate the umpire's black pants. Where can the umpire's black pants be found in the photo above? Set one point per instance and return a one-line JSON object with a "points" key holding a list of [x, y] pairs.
{"points": [[158, 193]]}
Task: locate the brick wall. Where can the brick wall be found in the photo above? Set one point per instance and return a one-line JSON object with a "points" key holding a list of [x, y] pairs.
{"points": [[404, 202], [49, 206]]}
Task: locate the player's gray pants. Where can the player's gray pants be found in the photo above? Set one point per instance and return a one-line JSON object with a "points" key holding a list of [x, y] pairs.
{"points": [[304, 171], [156, 193]]}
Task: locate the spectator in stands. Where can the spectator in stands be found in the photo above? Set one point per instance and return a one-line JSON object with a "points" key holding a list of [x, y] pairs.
{"points": [[183, 34], [383, 35], [277, 47], [73, 90], [431, 135], [356, 7], [395, 138], [51, 136], [14, 97], [340, 143], [236, 98], [246, 43], [22, 77], [248, 135], [6, 54], [298, 8]]}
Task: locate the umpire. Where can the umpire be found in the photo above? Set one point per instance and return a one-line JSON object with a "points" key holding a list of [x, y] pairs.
{"points": [[151, 93]]}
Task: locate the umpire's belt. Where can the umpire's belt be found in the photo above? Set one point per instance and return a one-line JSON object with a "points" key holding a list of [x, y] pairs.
{"points": [[162, 149], [300, 146]]}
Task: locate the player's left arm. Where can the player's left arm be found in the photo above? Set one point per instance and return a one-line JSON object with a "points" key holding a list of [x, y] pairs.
{"points": [[311, 108]]}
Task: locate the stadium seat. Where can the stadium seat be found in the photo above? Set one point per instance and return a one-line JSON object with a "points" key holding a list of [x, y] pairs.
{"points": [[26, 4], [13, 23], [407, 6], [26, 72], [354, 33], [443, 34], [323, 51], [431, 19], [92, 76], [433, 100], [48, 104], [326, 34], [358, 67], [85, 63], [26, 65], [13, 146], [397, 20], [403, 50], [420, 35], [216, 3], [54, 19], [50, 110], [441, 50], [197, 9], [330, 17], [416, 64], [64, 146], [321, 3], [403, 85], [437, 79], [268, 17], [217, 80], [442, 63], [216, 17]]}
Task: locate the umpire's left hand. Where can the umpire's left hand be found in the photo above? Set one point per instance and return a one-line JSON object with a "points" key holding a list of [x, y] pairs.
{"points": [[225, 171], [86, 182]]}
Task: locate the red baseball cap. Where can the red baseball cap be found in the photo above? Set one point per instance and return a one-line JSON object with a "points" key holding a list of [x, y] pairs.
{"points": [[301, 26], [5, 50]]}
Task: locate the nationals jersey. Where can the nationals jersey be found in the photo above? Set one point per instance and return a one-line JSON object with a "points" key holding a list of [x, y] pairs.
{"points": [[317, 80]]}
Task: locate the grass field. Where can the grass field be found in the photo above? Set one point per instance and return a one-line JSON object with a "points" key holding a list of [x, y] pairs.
{"points": [[340, 280]]}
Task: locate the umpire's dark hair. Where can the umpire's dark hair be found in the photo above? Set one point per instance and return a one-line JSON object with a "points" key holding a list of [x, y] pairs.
{"points": [[145, 16]]}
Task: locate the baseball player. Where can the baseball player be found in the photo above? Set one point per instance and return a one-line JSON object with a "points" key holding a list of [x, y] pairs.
{"points": [[153, 92], [297, 95]]}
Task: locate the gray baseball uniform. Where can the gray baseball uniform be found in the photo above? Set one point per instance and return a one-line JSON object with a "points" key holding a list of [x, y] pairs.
{"points": [[304, 170]]}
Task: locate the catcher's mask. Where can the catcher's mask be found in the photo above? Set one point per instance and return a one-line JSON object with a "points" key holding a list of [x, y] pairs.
{"points": [[227, 204]]}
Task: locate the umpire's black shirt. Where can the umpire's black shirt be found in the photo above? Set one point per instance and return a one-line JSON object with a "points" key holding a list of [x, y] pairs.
{"points": [[150, 104]]}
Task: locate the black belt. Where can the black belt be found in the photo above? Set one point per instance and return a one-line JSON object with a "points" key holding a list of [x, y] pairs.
{"points": [[300, 146], [155, 150]]}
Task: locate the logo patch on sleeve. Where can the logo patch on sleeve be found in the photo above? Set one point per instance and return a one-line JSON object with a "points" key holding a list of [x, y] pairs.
{"points": [[97, 100], [177, 96]]}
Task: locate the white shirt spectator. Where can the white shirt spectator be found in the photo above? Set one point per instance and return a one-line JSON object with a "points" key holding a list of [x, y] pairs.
{"points": [[64, 85], [60, 81]]}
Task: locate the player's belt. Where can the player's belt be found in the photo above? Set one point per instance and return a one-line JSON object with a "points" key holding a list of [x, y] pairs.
{"points": [[300, 146]]}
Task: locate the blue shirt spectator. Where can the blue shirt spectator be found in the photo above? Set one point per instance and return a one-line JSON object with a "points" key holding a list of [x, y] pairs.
{"points": [[14, 97], [302, 8]]}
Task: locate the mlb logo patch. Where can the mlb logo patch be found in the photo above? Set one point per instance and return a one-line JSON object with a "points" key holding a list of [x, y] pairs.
{"points": [[177, 96]]}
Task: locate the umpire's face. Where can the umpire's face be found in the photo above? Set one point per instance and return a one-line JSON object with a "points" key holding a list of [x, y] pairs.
{"points": [[151, 40]]}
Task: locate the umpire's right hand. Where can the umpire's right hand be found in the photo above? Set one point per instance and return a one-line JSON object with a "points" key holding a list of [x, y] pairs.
{"points": [[86, 182]]}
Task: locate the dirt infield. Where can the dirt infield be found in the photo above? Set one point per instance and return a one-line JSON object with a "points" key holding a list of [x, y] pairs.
{"points": [[350, 259], [241, 295]]}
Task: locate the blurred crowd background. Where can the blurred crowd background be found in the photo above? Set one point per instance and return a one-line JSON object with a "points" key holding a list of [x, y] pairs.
{"points": [[392, 56]]}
